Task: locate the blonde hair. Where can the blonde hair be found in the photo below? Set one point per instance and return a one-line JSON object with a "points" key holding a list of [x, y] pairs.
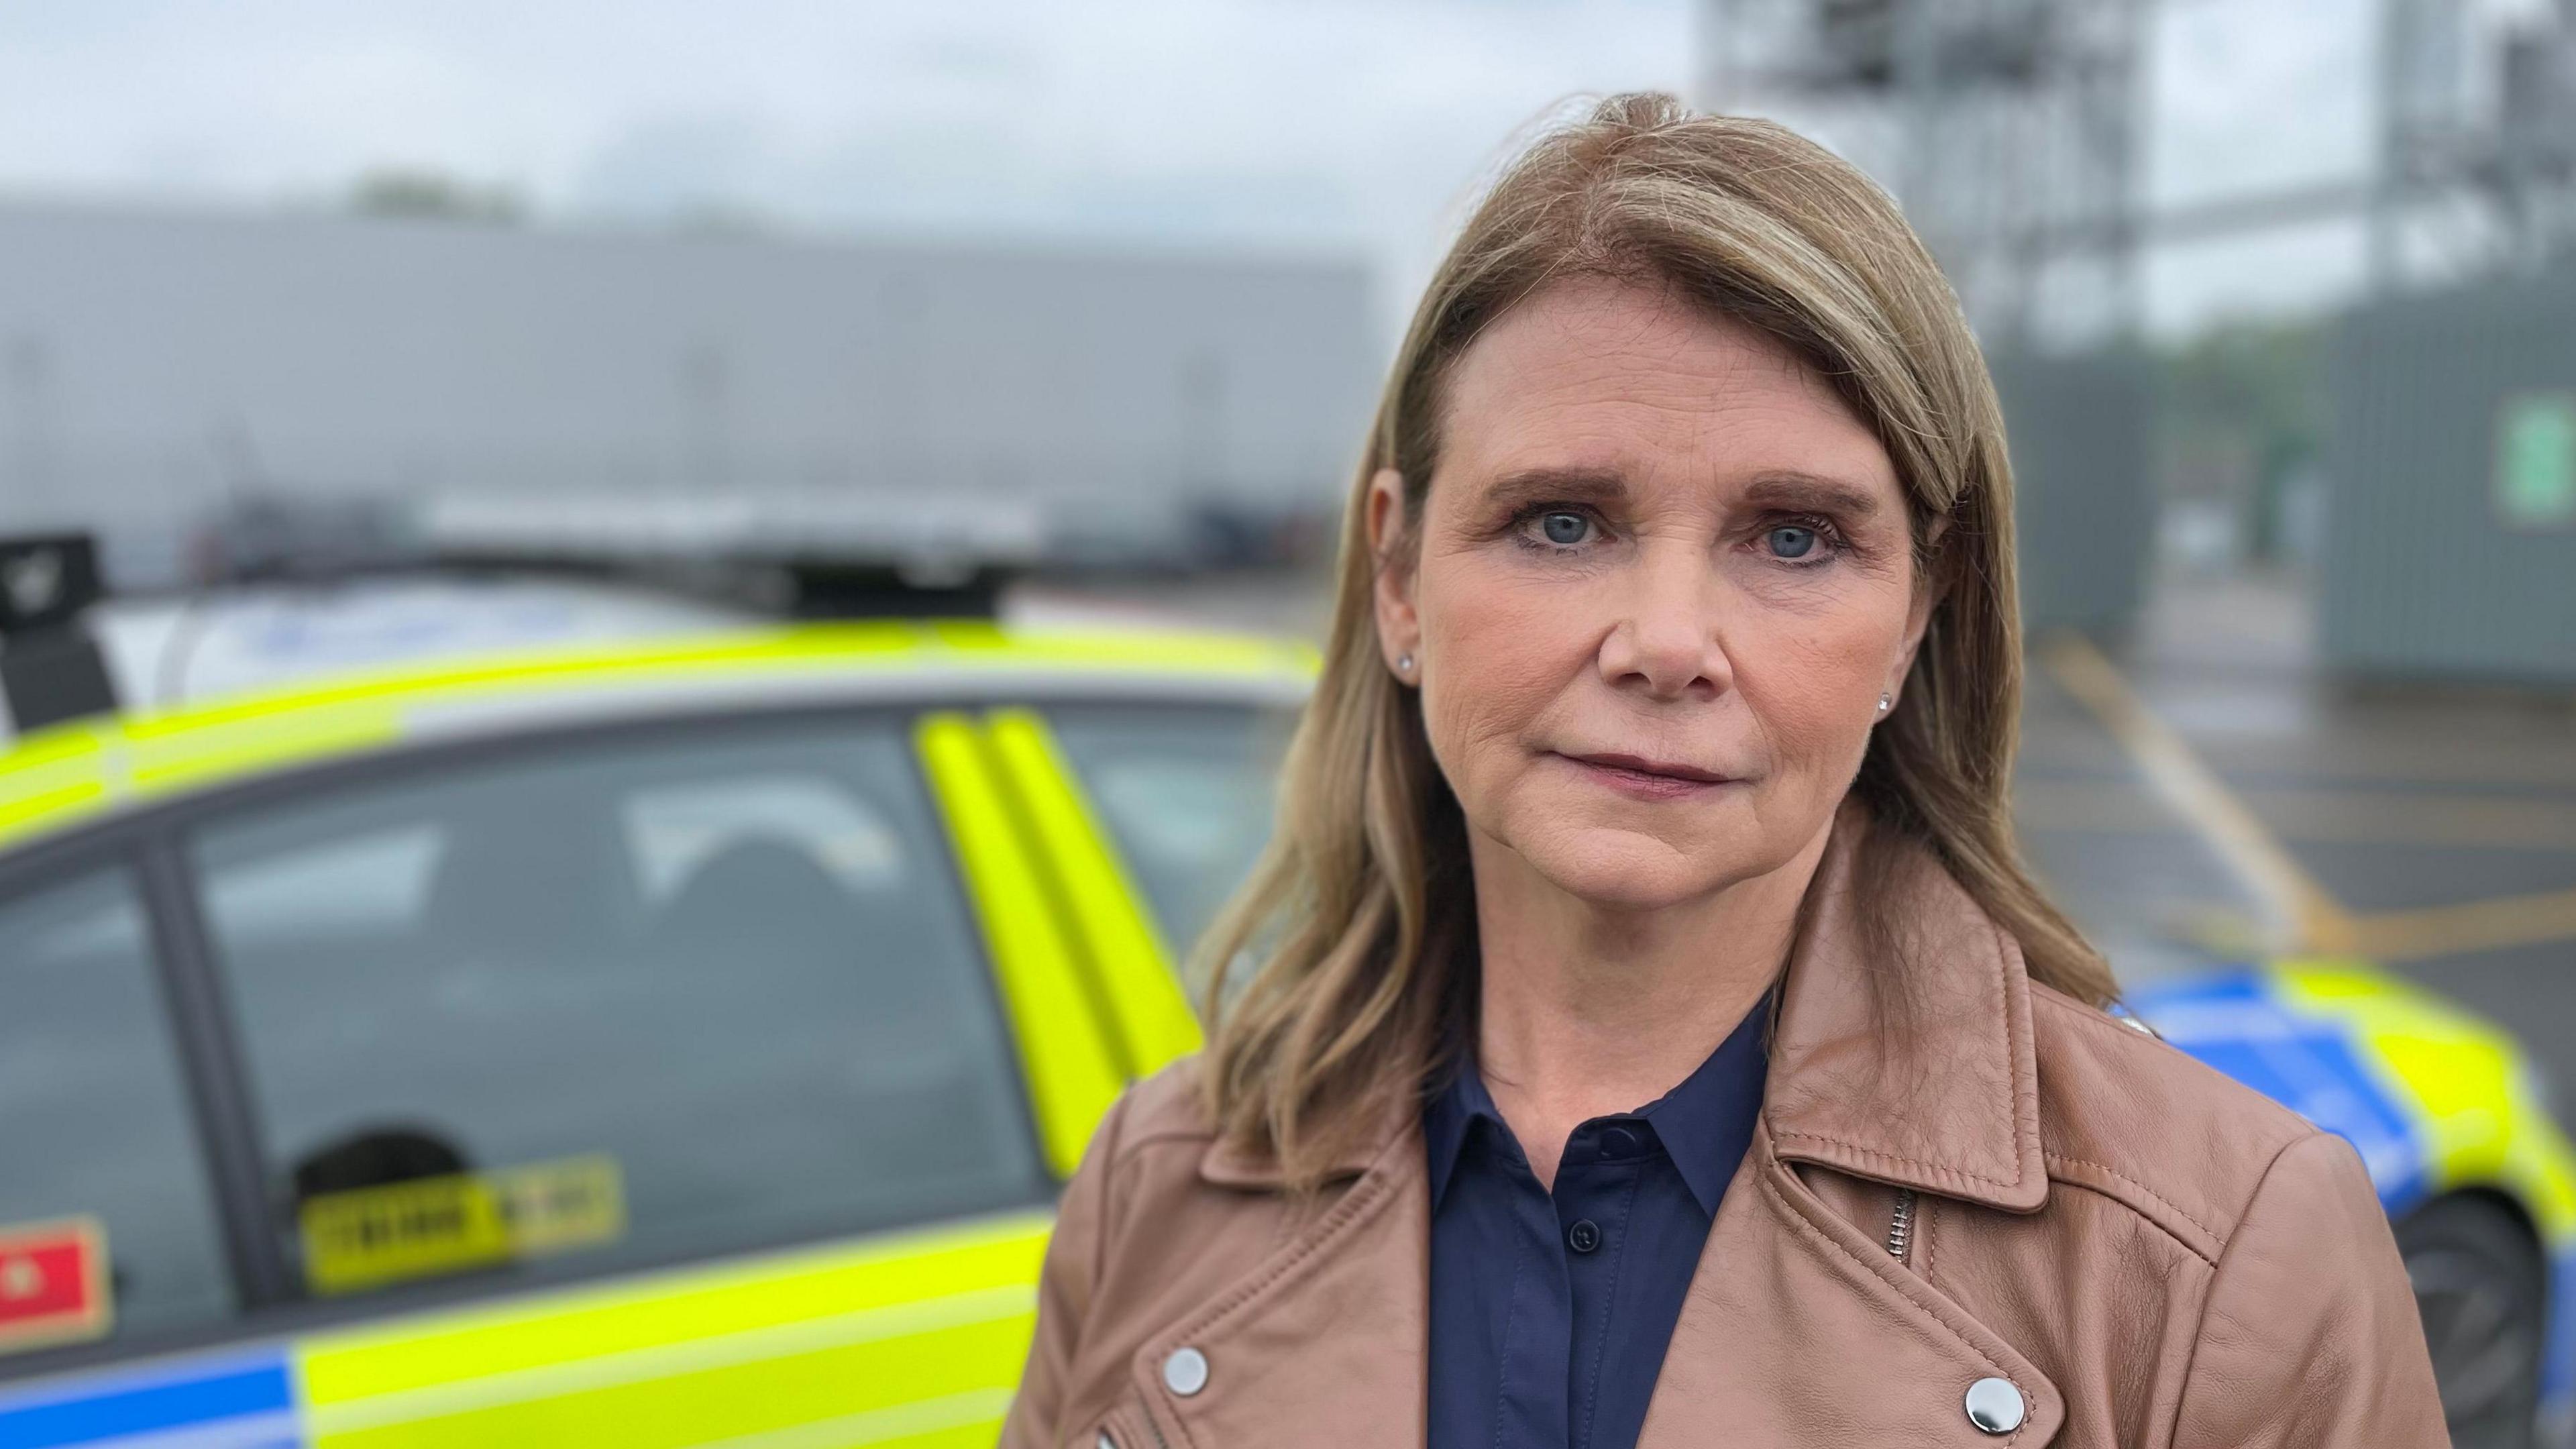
{"points": [[1364, 908]]}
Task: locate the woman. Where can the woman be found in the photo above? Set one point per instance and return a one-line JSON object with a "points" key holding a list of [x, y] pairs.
{"points": [[1656, 1039]]}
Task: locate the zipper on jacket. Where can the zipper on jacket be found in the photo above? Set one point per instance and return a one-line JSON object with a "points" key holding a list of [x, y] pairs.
{"points": [[1145, 1411], [1900, 1226]]}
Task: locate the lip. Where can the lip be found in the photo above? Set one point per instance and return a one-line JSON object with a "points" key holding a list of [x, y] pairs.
{"points": [[1644, 779]]}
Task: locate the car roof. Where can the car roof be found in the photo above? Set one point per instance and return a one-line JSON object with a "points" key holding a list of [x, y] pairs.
{"points": [[70, 775]]}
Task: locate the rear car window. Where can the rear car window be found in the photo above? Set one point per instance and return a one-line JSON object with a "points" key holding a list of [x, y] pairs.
{"points": [[107, 1226], [635, 1000], [1186, 792]]}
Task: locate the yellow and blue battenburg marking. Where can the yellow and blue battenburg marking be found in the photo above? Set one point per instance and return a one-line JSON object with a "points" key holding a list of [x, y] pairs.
{"points": [[2433, 1098], [914, 1340]]}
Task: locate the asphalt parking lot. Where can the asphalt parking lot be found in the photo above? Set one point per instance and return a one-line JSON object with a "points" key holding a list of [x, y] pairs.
{"points": [[2205, 793]]}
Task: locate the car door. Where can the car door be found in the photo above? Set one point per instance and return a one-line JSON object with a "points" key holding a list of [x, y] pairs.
{"points": [[652, 1086]]}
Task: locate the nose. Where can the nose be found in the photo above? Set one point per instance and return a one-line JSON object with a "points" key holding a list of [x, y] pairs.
{"points": [[1665, 641]]}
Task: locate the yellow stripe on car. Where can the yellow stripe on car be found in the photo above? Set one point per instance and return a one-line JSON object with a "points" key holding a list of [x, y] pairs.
{"points": [[911, 1335], [1128, 954], [51, 779], [176, 752], [1073, 1076], [54, 778]]}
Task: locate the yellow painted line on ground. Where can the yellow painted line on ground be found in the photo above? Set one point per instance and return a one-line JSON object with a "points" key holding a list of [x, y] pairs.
{"points": [[2301, 913], [2302, 916], [2473, 926], [641, 1365], [2321, 816], [972, 1409]]}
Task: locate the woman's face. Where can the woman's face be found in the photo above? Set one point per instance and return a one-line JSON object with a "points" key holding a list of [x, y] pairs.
{"points": [[1662, 577]]}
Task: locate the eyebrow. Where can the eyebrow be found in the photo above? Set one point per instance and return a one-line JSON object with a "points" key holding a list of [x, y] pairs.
{"points": [[1778, 488], [1557, 485], [1812, 491]]}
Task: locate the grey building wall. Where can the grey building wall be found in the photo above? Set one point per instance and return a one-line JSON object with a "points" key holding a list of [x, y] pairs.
{"points": [[2424, 576], [2084, 513], [151, 363]]}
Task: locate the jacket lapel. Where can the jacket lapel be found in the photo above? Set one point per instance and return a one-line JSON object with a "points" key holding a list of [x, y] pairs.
{"points": [[1326, 1340], [1801, 1330], [1917, 1071], [1921, 1073]]}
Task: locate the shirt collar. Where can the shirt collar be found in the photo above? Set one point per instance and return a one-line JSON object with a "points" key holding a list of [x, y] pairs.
{"points": [[1451, 1113], [1705, 1123]]}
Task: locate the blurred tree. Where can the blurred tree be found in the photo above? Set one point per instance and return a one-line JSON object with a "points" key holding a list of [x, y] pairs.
{"points": [[413, 191], [2244, 391]]}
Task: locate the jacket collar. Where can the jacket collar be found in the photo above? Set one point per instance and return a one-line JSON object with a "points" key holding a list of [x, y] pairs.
{"points": [[1225, 1164], [1921, 1073], [1918, 1071]]}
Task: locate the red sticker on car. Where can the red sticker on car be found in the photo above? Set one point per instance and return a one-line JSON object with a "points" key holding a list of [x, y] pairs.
{"points": [[53, 1283]]}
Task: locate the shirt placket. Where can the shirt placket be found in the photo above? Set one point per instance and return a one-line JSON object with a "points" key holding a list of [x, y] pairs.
{"points": [[1530, 1407], [1595, 1201]]}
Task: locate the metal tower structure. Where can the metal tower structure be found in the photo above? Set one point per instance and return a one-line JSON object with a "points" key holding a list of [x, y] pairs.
{"points": [[2009, 129], [2477, 139], [2012, 130]]}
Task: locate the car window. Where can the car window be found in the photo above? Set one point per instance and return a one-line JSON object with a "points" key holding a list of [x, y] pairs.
{"points": [[1186, 792], [619, 1001], [107, 1227]]}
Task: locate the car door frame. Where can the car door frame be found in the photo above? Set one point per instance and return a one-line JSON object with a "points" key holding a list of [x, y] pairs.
{"points": [[205, 1067]]}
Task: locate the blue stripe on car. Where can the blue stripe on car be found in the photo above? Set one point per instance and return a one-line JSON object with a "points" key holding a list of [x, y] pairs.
{"points": [[200, 1394]]}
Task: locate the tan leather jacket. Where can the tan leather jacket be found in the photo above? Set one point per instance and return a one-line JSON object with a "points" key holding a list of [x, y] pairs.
{"points": [[2145, 1252]]}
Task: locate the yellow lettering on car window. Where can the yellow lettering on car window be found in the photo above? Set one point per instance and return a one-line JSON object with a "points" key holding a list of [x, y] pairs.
{"points": [[371, 1236]]}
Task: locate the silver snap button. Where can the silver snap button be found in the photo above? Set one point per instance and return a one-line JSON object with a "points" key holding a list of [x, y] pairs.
{"points": [[1185, 1373], [1994, 1406]]}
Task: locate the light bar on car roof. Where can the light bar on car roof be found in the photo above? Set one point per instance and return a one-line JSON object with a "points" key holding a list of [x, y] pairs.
{"points": [[819, 552], [845, 525]]}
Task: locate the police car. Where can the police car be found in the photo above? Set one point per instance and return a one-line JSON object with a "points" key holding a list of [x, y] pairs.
{"points": [[652, 1040]]}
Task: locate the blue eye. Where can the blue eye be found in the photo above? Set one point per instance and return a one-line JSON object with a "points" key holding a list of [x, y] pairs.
{"points": [[1791, 541], [1564, 528]]}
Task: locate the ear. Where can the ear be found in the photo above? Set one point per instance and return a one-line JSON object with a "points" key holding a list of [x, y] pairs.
{"points": [[1399, 625]]}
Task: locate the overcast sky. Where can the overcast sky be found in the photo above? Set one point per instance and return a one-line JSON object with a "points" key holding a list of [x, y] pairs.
{"points": [[1337, 125]]}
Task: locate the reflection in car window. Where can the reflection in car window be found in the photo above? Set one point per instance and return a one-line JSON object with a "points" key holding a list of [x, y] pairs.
{"points": [[623, 1001], [94, 1122], [1186, 791]]}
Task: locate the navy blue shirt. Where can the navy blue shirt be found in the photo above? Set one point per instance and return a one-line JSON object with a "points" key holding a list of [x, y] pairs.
{"points": [[1550, 1311]]}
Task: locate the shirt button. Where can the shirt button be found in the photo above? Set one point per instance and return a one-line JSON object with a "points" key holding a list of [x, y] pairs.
{"points": [[1619, 1142], [1994, 1406], [1584, 1236]]}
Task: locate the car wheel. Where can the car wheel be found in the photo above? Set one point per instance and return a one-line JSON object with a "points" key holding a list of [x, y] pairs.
{"points": [[2481, 1285]]}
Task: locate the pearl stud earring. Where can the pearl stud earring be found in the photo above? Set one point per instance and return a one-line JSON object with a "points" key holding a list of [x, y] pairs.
{"points": [[1404, 665], [1884, 701]]}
